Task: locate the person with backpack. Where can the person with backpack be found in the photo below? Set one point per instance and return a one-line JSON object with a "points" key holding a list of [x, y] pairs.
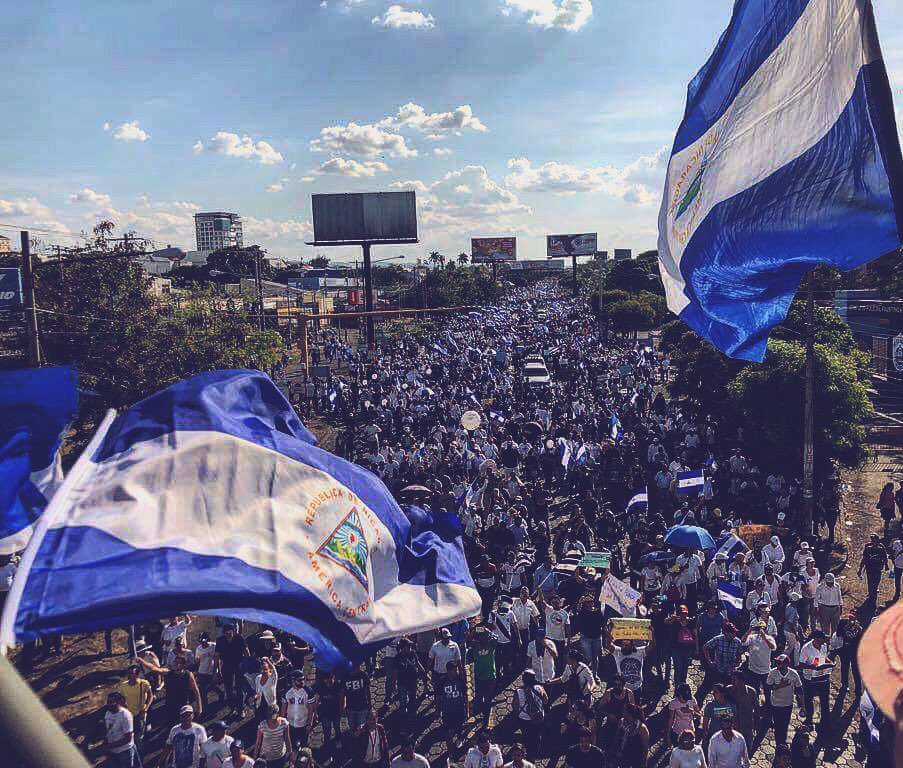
{"points": [[683, 643], [530, 702]]}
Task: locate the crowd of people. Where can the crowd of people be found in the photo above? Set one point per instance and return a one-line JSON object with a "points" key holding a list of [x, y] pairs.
{"points": [[567, 490]]}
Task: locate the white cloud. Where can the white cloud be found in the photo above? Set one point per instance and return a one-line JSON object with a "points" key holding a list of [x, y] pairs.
{"points": [[277, 187], [397, 17], [90, 197], [639, 182], [442, 151], [340, 166], [284, 233], [244, 147], [361, 141], [131, 131], [106, 126], [466, 199], [571, 15], [435, 125], [36, 214], [307, 179]]}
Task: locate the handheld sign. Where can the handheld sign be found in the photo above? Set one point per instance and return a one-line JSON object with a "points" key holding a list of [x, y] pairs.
{"points": [[596, 560], [471, 420], [754, 534], [631, 629]]}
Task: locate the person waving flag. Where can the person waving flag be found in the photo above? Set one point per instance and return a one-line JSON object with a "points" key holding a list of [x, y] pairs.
{"points": [[787, 158]]}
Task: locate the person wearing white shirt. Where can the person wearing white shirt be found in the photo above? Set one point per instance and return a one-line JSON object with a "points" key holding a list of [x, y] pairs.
{"points": [[896, 553], [687, 754], [828, 604], [443, 651], [727, 748], [759, 646], [216, 748], [525, 611], [816, 672], [485, 754], [541, 654], [775, 553]]}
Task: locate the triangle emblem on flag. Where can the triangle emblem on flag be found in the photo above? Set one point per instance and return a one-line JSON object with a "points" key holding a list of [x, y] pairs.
{"points": [[347, 547]]}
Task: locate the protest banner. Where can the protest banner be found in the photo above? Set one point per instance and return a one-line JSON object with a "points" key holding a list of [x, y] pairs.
{"points": [[596, 560], [631, 629], [621, 598], [754, 534]]}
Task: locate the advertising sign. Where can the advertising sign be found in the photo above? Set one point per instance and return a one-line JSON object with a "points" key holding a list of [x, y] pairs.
{"points": [[571, 245], [631, 629], [485, 250], [623, 254], [898, 352], [10, 289]]}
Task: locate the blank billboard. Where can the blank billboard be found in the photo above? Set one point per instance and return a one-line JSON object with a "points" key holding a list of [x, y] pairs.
{"points": [[623, 254], [571, 245], [365, 217], [485, 250]]}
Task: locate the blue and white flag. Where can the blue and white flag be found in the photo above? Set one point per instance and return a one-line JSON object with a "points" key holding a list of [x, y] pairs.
{"points": [[787, 157], [617, 431], [639, 502], [496, 416], [689, 483], [731, 596], [564, 452], [211, 496], [36, 406], [729, 545], [581, 456]]}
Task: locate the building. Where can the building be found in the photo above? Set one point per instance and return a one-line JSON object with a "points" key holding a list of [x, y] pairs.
{"points": [[5, 244], [218, 230]]}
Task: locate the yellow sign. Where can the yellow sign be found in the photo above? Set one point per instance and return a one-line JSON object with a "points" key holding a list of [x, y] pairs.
{"points": [[631, 629], [754, 534]]}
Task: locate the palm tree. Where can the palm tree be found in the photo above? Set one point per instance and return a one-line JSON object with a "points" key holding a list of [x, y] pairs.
{"points": [[463, 258], [436, 259]]}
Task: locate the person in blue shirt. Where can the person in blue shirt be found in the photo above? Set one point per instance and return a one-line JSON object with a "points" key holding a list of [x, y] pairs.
{"points": [[454, 705]]}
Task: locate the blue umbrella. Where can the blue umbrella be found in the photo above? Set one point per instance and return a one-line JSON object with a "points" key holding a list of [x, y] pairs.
{"points": [[689, 536], [658, 557]]}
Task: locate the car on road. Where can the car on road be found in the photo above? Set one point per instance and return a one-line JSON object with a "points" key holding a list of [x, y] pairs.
{"points": [[535, 372]]}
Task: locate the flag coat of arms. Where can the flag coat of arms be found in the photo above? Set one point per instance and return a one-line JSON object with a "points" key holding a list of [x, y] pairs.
{"points": [[211, 496], [787, 157]]}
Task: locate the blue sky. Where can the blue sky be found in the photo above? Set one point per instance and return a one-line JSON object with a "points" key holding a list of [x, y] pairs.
{"points": [[520, 117]]}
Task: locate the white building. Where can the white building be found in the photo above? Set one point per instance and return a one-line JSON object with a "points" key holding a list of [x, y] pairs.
{"points": [[218, 230]]}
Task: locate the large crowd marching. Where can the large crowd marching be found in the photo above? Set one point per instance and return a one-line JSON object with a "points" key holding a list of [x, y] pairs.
{"points": [[586, 497]]}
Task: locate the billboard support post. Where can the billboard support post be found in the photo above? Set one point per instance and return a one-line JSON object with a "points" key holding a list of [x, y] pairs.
{"points": [[33, 345], [368, 295], [574, 274]]}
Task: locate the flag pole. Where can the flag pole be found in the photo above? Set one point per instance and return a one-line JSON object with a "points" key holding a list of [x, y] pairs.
{"points": [[809, 417], [29, 729]]}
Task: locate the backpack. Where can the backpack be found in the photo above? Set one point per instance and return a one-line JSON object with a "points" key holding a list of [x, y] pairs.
{"points": [[533, 705]]}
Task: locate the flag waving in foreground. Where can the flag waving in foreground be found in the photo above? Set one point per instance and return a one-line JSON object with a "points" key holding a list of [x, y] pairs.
{"points": [[787, 157], [36, 406], [211, 496]]}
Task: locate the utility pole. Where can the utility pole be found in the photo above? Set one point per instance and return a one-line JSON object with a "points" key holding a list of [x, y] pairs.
{"points": [[809, 422], [32, 343], [368, 295], [574, 274]]}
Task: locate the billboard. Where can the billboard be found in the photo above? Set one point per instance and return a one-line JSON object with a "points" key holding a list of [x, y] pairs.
{"points": [[10, 289], [485, 250], [571, 245], [365, 217], [623, 254]]}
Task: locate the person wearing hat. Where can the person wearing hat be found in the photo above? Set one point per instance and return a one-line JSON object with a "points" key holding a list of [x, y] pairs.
{"points": [[775, 553], [185, 741], [120, 739], [530, 701], [230, 649], [205, 664], [828, 604], [816, 667], [723, 651], [541, 656], [237, 756], [441, 653], [759, 646], [216, 749], [782, 686], [844, 644], [138, 697], [504, 625], [304, 758], [299, 707]]}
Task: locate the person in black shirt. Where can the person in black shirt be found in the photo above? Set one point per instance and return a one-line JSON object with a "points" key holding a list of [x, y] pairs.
{"points": [[330, 695], [584, 754], [845, 644], [357, 699], [231, 648], [588, 622], [407, 671]]}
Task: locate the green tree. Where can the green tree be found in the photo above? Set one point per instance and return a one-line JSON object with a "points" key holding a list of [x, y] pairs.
{"points": [[463, 259], [769, 399], [436, 259], [319, 262]]}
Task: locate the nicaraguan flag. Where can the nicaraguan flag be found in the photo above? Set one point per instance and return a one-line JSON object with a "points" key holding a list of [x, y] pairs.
{"points": [[787, 157], [731, 596], [689, 483], [729, 544], [211, 496], [36, 406], [617, 430], [564, 452], [495, 415], [581, 456], [639, 502]]}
